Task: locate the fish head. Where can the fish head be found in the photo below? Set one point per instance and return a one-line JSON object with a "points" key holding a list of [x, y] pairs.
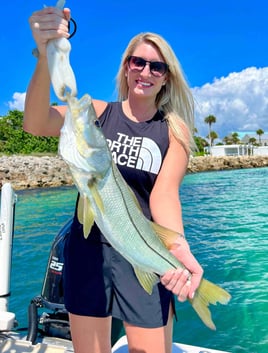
{"points": [[82, 143]]}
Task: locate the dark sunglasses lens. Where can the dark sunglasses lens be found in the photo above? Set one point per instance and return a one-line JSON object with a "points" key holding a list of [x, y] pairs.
{"points": [[136, 63], [158, 68]]}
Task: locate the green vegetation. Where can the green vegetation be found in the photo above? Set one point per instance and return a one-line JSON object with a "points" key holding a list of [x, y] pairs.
{"points": [[13, 140], [211, 119], [259, 132], [201, 143]]}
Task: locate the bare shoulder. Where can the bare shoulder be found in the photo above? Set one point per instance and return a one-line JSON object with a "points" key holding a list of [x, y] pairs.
{"points": [[60, 110], [99, 106], [57, 114]]}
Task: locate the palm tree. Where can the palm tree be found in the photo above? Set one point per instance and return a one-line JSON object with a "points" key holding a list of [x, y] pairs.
{"points": [[213, 136], [211, 119], [252, 140], [260, 132], [235, 138], [231, 139], [227, 140], [200, 143]]}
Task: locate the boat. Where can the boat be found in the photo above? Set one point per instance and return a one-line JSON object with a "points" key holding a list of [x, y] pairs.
{"points": [[48, 328]]}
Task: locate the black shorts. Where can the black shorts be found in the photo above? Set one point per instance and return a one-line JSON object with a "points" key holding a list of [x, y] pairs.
{"points": [[99, 282]]}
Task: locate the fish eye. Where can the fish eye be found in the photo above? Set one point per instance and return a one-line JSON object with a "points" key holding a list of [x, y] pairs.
{"points": [[97, 123]]}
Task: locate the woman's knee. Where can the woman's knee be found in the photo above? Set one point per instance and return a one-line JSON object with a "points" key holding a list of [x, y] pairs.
{"points": [[149, 340], [91, 332]]}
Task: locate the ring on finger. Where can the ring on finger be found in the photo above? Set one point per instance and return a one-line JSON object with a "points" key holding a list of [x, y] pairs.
{"points": [[188, 282], [35, 25]]}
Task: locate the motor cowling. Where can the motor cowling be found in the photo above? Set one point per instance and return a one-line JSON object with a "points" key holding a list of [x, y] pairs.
{"points": [[52, 291]]}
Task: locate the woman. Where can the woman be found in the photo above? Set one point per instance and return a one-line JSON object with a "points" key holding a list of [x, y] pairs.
{"points": [[154, 114]]}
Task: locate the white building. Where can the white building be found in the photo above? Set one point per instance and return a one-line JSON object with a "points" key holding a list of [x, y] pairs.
{"points": [[238, 150], [263, 138], [260, 151]]}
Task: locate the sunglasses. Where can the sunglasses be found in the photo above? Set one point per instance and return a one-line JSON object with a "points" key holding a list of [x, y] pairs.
{"points": [[137, 64]]}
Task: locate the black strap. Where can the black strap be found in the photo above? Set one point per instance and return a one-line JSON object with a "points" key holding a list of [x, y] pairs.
{"points": [[74, 27]]}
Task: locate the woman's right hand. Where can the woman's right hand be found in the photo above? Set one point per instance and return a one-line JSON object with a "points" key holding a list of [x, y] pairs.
{"points": [[49, 23]]}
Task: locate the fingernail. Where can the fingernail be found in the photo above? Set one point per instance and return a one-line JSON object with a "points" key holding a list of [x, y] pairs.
{"points": [[192, 296], [186, 273]]}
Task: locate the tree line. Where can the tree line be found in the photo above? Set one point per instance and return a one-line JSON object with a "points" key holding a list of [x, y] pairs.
{"points": [[231, 139], [14, 140]]}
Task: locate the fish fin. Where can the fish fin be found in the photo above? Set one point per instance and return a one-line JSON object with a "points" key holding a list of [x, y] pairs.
{"points": [[208, 293], [85, 215], [147, 279], [167, 236], [96, 196], [80, 210]]}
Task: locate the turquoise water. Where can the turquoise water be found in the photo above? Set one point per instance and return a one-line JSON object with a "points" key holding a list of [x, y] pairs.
{"points": [[225, 216]]}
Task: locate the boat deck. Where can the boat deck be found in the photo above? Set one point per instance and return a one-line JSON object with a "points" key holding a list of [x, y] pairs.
{"points": [[56, 345]]}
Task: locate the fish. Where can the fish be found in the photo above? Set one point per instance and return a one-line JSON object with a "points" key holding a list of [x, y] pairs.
{"points": [[60, 70], [107, 200], [105, 197]]}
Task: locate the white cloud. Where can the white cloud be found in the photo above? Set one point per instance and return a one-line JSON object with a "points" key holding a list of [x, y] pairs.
{"points": [[17, 102], [239, 102]]}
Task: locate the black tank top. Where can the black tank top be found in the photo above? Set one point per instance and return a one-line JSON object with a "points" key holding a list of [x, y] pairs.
{"points": [[138, 150]]}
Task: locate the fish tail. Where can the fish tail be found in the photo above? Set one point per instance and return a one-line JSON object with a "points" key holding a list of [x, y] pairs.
{"points": [[208, 293]]}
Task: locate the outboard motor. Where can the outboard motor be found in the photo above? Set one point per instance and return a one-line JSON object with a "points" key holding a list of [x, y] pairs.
{"points": [[52, 291], [55, 323], [54, 320]]}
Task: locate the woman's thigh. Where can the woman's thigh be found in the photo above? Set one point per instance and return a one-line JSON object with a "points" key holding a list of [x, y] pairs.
{"points": [[150, 340], [91, 334]]}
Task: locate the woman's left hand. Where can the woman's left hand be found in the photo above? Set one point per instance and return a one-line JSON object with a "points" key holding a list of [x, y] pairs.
{"points": [[183, 282]]}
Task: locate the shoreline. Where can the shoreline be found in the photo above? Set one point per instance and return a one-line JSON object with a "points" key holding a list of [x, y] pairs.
{"points": [[30, 172]]}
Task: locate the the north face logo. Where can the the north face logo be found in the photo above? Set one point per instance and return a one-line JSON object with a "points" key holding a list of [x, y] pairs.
{"points": [[136, 152]]}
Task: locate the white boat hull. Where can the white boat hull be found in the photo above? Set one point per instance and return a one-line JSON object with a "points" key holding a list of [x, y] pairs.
{"points": [[8, 199], [121, 347], [56, 345]]}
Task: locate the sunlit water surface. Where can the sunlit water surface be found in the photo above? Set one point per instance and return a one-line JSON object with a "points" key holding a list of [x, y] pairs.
{"points": [[225, 216]]}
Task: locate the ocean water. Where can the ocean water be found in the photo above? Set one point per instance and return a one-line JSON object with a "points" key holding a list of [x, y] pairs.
{"points": [[225, 215]]}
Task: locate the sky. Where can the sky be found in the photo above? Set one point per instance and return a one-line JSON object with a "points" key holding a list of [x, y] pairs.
{"points": [[221, 45]]}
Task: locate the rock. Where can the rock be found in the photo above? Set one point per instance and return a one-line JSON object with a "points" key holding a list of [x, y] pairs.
{"points": [[208, 163], [25, 172], [28, 172]]}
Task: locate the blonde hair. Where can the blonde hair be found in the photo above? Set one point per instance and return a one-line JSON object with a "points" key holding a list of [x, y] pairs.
{"points": [[175, 99]]}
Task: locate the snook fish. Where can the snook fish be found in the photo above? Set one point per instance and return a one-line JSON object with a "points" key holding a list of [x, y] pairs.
{"points": [[105, 197]]}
